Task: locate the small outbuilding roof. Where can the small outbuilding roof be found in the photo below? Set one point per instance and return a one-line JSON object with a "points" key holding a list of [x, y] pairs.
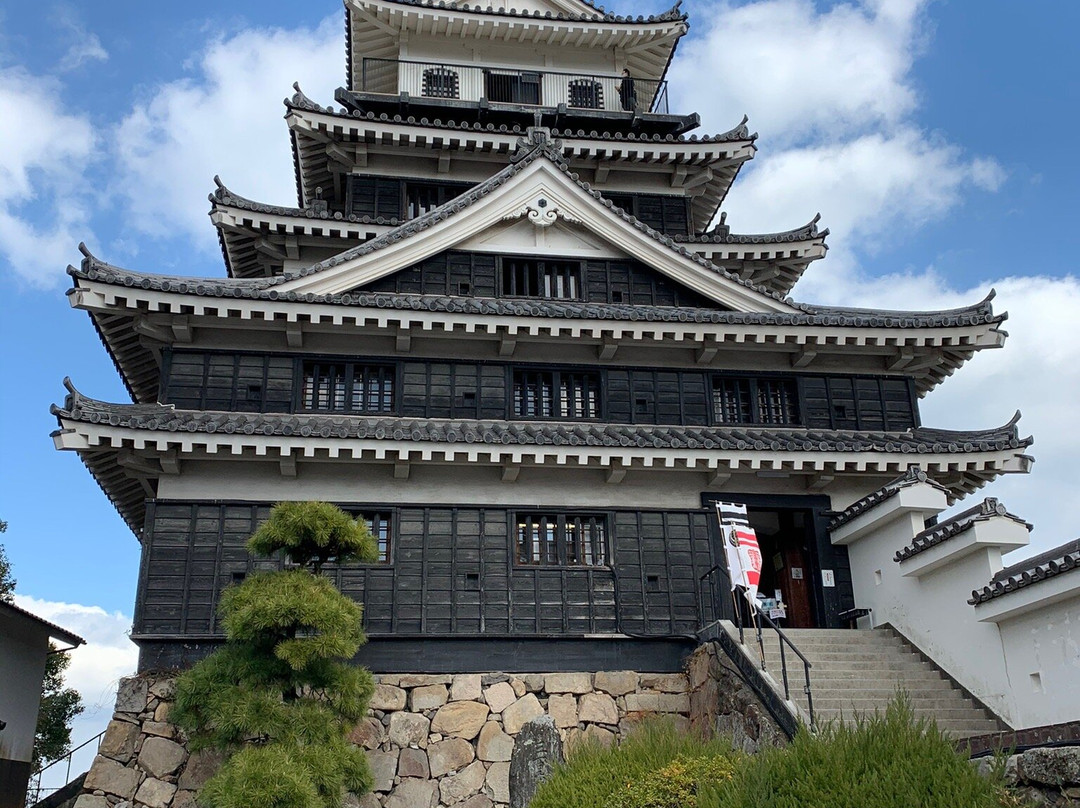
{"points": [[934, 535], [53, 630], [1031, 571]]}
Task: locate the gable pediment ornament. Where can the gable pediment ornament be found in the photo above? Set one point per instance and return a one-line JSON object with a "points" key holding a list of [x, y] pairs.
{"points": [[542, 212]]}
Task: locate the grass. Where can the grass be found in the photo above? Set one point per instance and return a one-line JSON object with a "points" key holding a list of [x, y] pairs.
{"points": [[884, 760]]}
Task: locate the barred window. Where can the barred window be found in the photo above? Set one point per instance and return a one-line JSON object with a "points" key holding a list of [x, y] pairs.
{"points": [[379, 525], [576, 540], [531, 277], [585, 94], [440, 82], [556, 394], [755, 401], [422, 197], [348, 387]]}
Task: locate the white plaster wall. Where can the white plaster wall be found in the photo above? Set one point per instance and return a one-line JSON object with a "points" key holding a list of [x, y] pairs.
{"points": [[254, 481], [1043, 663], [933, 611], [22, 665]]}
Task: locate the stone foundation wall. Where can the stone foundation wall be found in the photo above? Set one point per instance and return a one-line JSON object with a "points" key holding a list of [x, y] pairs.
{"points": [[433, 740]]}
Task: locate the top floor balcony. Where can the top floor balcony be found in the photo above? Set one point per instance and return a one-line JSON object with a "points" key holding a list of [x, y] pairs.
{"points": [[445, 84]]}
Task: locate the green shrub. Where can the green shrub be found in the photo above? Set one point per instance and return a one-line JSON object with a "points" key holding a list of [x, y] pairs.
{"points": [[882, 761], [655, 767]]}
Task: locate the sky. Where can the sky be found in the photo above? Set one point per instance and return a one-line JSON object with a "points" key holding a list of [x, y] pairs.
{"points": [[936, 138]]}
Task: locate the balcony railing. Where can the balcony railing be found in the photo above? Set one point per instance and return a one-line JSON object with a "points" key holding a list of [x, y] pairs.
{"points": [[499, 85]]}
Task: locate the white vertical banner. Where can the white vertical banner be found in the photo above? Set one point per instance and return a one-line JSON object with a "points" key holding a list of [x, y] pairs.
{"points": [[740, 548]]}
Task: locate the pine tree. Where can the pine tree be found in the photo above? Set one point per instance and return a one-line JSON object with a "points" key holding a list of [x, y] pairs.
{"points": [[7, 582], [279, 698]]}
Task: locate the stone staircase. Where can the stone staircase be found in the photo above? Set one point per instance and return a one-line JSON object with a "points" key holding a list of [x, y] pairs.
{"points": [[860, 671]]}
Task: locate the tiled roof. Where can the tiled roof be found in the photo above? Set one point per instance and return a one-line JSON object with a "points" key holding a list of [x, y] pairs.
{"points": [[1031, 571], [989, 508], [301, 101], [914, 476], [223, 196], [56, 631], [255, 288], [672, 15], [159, 417], [721, 234]]}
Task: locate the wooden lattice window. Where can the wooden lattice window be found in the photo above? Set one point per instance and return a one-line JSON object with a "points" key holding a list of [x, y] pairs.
{"points": [[584, 94], [440, 82], [556, 394], [348, 387], [532, 277], [576, 540], [755, 401], [379, 525]]}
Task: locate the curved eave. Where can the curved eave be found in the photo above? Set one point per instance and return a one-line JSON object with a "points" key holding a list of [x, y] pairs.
{"points": [[707, 167], [376, 26], [127, 447]]}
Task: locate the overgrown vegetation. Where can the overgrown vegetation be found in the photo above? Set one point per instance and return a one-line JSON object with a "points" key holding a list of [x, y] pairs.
{"points": [[280, 697], [890, 760], [655, 767]]}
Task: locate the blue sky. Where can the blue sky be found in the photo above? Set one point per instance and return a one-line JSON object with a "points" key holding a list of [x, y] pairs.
{"points": [[938, 139]]}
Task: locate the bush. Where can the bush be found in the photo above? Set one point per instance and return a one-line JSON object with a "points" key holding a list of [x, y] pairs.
{"points": [[655, 767], [882, 761]]}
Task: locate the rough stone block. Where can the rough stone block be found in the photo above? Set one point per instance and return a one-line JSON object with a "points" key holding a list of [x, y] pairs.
{"points": [[673, 703], [500, 696], [369, 800], [159, 728], [131, 695], [456, 787], [519, 687], [407, 729], [477, 801], [427, 697], [599, 735], [383, 769], [164, 689], [413, 763], [466, 687], [536, 753], [368, 733], [642, 702], [91, 801], [161, 713], [616, 683], [1051, 767], [184, 799], [423, 680], [534, 682], [388, 698], [563, 709], [462, 719], [112, 778], [155, 793], [201, 766], [412, 793], [161, 757], [449, 756], [498, 780], [598, 708], [517, 714], [664, 682], [577, 683], [494, 744], [119, 741]]}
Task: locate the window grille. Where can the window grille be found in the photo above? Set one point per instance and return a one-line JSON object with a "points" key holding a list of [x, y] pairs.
{"points": [[755, 401], [530, 277], [348, 387], [440, 82], [576, 540], [585, 94], [379, 525], [422, 197], [556, 394]]}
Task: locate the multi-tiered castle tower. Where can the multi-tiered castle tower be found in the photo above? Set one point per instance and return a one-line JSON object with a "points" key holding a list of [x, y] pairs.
{"points": [[501, 325]]}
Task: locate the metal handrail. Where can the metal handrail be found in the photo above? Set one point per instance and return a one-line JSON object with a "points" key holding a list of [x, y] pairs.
{"points": [[36, 773], [550, 88], [782, 637]]}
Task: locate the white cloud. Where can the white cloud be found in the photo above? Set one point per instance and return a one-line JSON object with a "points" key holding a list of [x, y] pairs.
{"points": [[226, 119], [44, 153], [96, 667], [85, 46]]}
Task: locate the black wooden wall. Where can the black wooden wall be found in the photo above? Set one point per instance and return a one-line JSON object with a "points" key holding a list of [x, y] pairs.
{"points": [[477, 275], [451, 574], [481, 390]]}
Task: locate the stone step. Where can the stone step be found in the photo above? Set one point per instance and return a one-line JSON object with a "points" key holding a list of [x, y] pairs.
{"points": [[868, 704], [840, 675]]}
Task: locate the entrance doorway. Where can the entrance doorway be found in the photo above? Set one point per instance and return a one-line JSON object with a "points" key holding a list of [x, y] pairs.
{"points": [[785, 539]]}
